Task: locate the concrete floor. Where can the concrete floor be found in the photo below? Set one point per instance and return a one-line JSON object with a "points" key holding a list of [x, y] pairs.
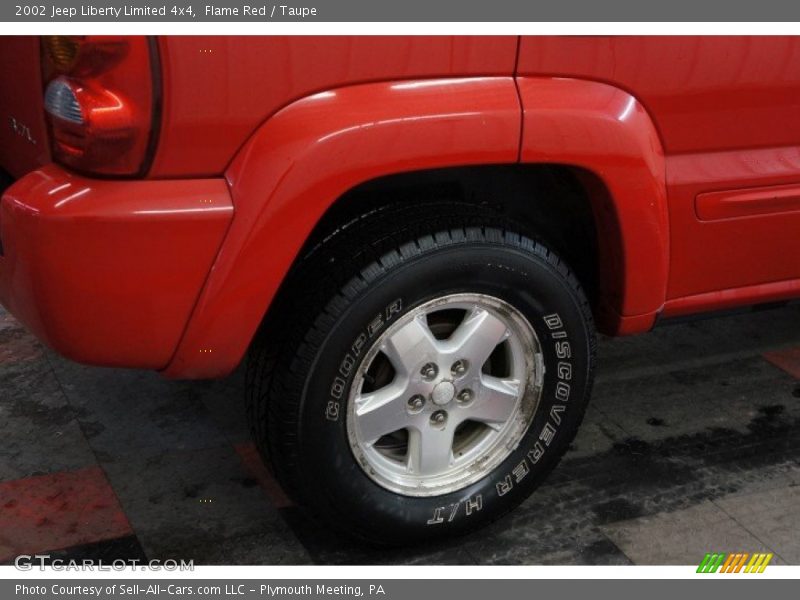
{"points": [[691, 445]]}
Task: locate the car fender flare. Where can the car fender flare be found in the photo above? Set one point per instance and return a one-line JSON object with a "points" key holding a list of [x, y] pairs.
{"points": [[300, 161], [307, 155]]}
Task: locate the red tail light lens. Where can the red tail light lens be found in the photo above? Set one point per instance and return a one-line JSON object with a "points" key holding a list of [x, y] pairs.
{"points": [[100, 102]]}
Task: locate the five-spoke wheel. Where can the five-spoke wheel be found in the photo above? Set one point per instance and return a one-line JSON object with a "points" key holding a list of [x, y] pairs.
{"points": [[445, 394]]}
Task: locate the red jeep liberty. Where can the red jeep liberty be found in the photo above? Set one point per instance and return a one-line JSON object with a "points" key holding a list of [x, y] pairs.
{"points": [[411, 239]]}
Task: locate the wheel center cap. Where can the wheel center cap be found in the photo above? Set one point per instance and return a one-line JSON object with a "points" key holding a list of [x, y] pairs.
{"points": [[443, 393]]}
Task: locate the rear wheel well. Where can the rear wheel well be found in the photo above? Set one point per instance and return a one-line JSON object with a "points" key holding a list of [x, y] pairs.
{"points": [[552, 203]]}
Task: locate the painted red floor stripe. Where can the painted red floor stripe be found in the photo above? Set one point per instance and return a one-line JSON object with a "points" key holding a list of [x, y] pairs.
{"points": [[50, 512], [255, 466], [788, 360]]}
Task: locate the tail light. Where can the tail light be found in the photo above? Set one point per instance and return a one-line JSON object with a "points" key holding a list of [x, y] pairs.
{"points": [[100, 99]]}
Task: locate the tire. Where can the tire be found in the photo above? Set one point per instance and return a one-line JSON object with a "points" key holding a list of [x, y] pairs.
{"points": [[316, 373]]}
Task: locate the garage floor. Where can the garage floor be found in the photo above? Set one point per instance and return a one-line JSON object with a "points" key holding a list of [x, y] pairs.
{"points": [[691, 445]]}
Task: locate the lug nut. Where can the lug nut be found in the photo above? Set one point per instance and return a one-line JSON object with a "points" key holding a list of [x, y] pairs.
{"points": [[415, 403], [429, 371], [438, 418], [459, 367], [464, 396]]}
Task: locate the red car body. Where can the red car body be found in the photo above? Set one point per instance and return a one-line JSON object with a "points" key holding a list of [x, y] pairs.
{"points": [[688, 148]]}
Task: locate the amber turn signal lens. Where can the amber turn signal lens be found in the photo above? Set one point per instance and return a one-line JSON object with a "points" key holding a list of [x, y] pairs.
{"points": [[62, 50]]}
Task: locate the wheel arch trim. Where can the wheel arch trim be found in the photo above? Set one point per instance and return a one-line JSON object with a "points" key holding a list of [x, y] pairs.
{"points": [[299, 162], [309, 154]]}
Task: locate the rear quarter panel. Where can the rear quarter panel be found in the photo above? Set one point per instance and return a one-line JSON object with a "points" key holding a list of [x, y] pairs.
{"points": [[219, 89]]}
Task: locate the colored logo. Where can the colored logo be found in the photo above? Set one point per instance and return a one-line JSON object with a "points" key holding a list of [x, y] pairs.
{"points": [[737, 562]]}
